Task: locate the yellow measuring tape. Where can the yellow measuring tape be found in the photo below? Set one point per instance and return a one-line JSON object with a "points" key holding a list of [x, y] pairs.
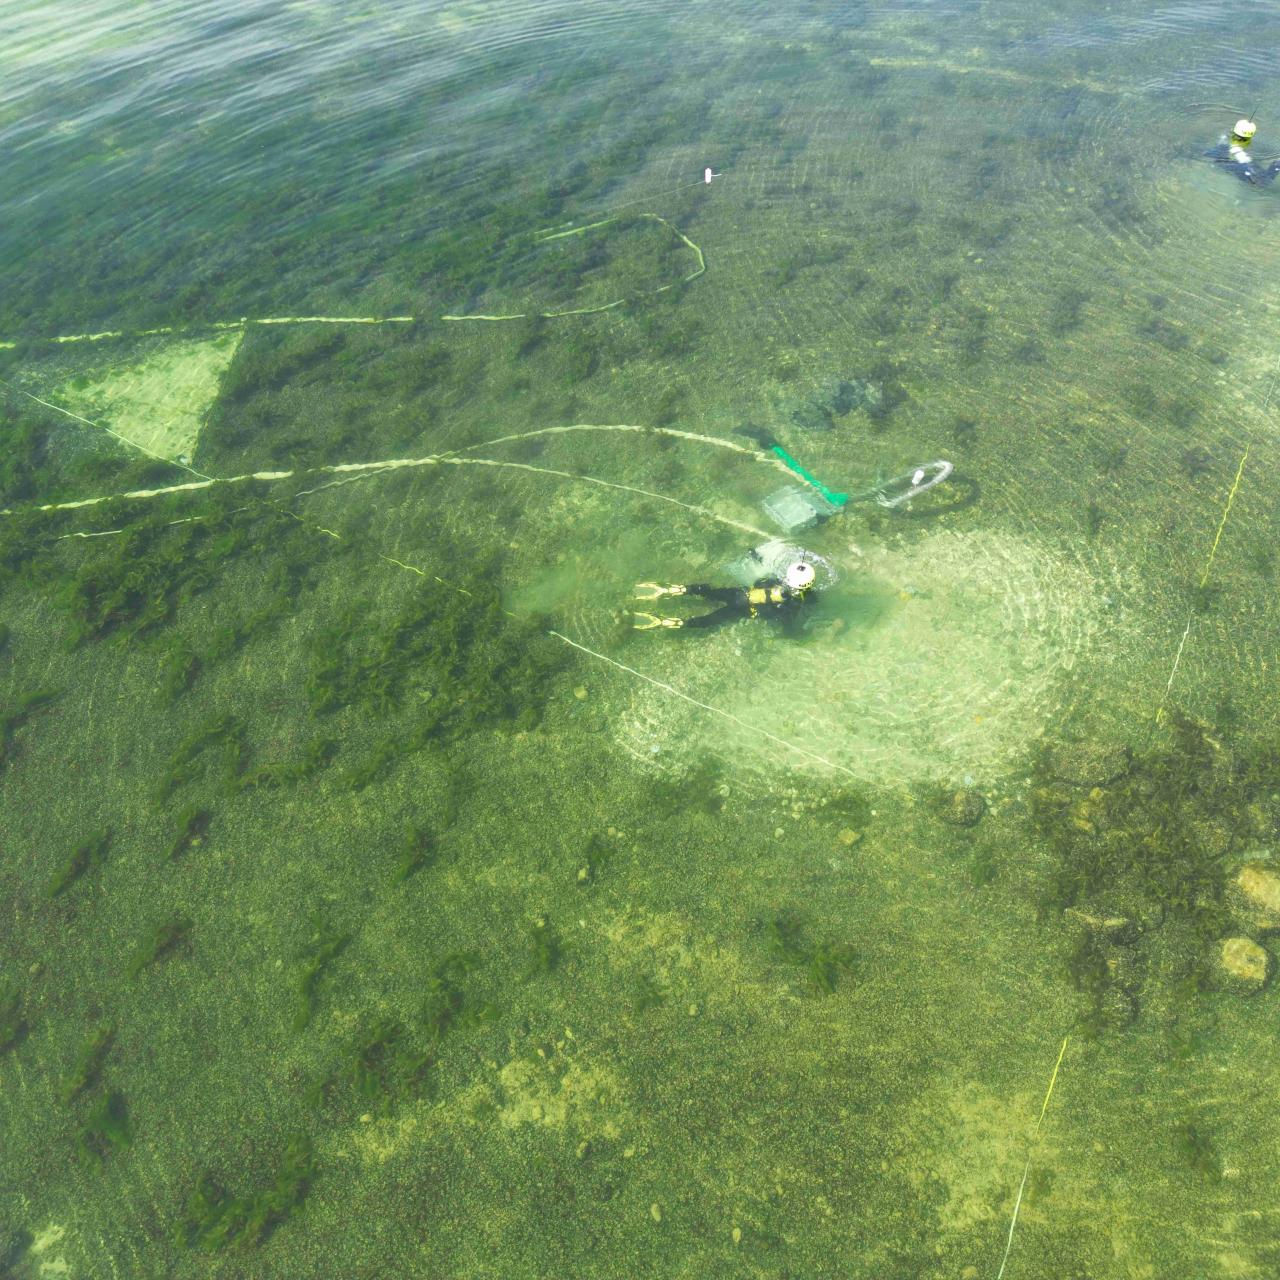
{"points": [[1035, 1133]]}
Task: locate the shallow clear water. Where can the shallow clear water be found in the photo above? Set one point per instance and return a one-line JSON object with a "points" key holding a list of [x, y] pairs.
{"points": [[380, 902]]}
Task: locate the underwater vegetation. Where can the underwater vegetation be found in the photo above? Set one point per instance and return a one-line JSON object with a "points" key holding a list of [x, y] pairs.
{"points": [[132, 583], [1204, 595], [1159, 330], [314, 756], [158, 942], [388, 1062], [1195, 461], [193, 826], [87, 854], [596, 858], [699, 787], [25, 471], [1094, 519], [1198, 1151], [13, 718], [1139, 857], [417, 850], [971, 343], [647, 993], [224, 738], [87, 1065], [322, 948], [44, 458], [214, 1219], [823, 961], [387, 1067], [13, 1025], [178, 670], [106, 1127], [468, 664], [1262, 560], [546, 947], [1112, 458], [1066, 313]]}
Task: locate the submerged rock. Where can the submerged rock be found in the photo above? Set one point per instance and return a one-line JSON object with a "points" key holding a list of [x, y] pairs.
{"points": [[963, 808], [1253, 895], [1243, 965], [1088, 764]]}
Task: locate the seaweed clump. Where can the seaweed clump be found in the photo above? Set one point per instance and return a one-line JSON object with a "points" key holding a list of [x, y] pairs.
{"points": [[417, 850], [16, 716], [823, 961], [87, 1066], [546, 948], [224, 738], [13, 1025], [278, 773], [389, 1062], [158, 942], [467, 662], [87, 854], [324, 946], [193, 826], [106, 1127], [213, 1219], [133, 584], [1198, 1151]]}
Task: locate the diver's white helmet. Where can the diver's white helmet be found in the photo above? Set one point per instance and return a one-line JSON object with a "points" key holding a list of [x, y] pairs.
{"points": [[800, 575], [1244, 130]]}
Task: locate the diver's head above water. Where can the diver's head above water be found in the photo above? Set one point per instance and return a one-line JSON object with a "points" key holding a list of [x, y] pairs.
{"points": [[1242, 133]]}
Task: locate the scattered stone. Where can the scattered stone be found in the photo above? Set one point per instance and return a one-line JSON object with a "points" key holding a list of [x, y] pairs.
{"points": [[1088, 764], [1254, 896], [655, 1212], [580, 692], [1243, 964], [963, 808], [848, 836], [737, 1235]]}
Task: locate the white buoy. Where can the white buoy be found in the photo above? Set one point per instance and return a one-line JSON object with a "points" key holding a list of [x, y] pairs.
{"points": [[707, 175]]}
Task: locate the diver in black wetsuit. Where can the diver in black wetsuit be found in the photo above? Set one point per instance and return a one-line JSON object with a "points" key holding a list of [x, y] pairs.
{"points": [[779, 597], [1233, 151]]}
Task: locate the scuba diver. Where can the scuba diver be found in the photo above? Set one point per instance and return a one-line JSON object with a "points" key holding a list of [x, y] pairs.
{"points": [[781, 597], [1233, 151]]}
